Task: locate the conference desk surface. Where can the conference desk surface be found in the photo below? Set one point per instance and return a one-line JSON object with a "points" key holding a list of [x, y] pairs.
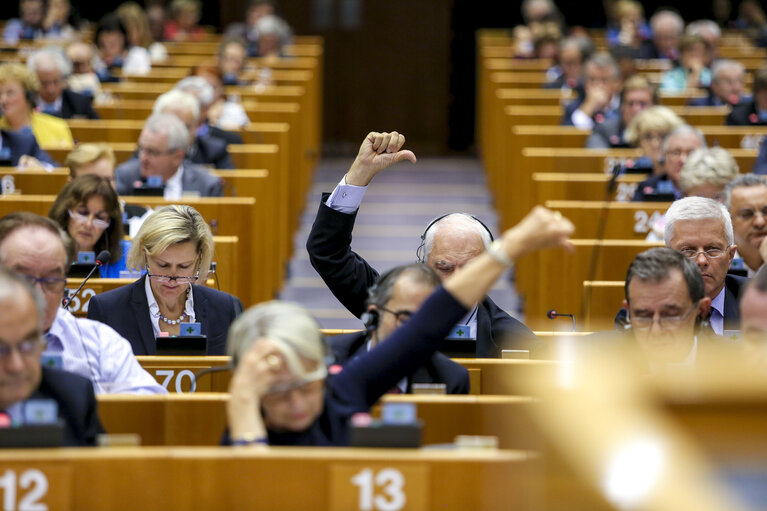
{"points": [[333, 479]]}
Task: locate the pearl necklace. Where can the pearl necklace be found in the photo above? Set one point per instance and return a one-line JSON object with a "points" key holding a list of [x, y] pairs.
{"points": [[171, 321]]}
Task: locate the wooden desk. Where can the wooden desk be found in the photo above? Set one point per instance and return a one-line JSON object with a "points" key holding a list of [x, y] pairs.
{"points": [[625, 220], [299, 479]]}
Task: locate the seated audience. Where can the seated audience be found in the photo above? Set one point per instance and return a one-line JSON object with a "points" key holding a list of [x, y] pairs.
{"points": [[448, 243], [201, 89], [675, 147], [701, 230], [246, 31], [83, 78], [667, 28], [392, 301], [691, 72], [712, 34], [24, 378], [647, 131], [727, 79], [182, 25], [630, 28], [753, 319], [567, 74], [116, 53], [231, 61], [162, 148], [279, 391], [204, 149], [601, 101], [753, 111], [18, 88], [55, 98], [666, 306], [89, 211], [38, 250], [137, 29], [29, 24], [175, 247], [746, 199], [60, 22], [273, 35], [706, 172], [224, 113], [637, 94]]}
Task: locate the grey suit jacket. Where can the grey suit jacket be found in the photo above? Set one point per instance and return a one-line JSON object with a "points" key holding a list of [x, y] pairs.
{"points": [[196, 178]]}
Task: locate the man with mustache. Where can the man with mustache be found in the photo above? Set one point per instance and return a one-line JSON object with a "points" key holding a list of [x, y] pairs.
{"points": [[701, 229], [746, 198]]}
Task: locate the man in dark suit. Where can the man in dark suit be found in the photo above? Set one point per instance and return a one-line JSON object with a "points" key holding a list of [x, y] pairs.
{"points": [[22, 377], [20, 148], [52, 69], [727, 79], [203, 149], [162, 149], [396, 296], [752, 112], [126, 309], [601, 100], [448, 244]]}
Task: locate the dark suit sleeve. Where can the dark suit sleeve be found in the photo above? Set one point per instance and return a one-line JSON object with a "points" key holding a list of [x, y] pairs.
{"points": [[224, 160], [41, 155], [512, 333], [347, 275], [94, 310], [215, 189], [597, 140], [92, 425], [569, 109], [760, 165]]}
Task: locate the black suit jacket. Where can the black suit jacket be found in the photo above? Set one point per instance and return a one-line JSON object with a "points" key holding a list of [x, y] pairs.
{"points": [[77, 405], [22, 143], [744, 114], [230, 137], [76, 105], [608, 134], [126, 310], [209, 150], [348, 276], [440, 369]]}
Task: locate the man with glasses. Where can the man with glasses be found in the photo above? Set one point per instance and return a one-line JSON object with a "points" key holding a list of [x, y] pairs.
{"points": [[665, 298], [396, 296], [701, 230], [162, 148], [35, 248], [746, 199], [25, 384]]}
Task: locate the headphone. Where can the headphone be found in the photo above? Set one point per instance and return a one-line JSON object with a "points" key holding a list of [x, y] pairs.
{"points": [[419, 253]]}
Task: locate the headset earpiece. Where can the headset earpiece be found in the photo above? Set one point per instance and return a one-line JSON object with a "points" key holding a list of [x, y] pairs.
{"points": [[370, 320]]}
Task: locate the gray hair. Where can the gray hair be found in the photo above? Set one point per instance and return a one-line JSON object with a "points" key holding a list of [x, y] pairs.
{"points": [[723, 64], [178, 135], [604, 61], [742, 181], [666, 15], [380, 293], [655, 264], [702, 27], [460, 220], [289, 326], [198, 87], [49, 59], [274, 25], [10, 285], [684, 129], [697, 208], [175, 98], [714, 166]]}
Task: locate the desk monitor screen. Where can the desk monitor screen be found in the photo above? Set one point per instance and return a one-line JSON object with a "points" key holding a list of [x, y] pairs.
{"points": [[188, 345], [81, 270], [33, 435], [455, 348], [148, 191]]}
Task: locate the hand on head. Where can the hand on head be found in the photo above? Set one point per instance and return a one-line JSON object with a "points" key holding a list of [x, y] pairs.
{"points": [[258, 370], [377, 152]]}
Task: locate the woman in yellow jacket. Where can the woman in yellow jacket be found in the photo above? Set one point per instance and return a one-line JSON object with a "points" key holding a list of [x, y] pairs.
{"points": [[18, 89]]}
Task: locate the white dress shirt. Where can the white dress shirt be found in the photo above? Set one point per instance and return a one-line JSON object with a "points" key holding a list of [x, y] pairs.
{"points": [[173, 186], [154, 308], [94, 350]]}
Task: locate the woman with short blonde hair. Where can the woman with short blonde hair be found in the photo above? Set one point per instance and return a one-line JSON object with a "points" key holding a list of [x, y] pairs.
{"points": [[649, 129], [707, 171]]}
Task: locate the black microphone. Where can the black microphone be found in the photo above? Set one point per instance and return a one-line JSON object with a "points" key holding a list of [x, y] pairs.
{"points": [[552, 314], [101, 260]]}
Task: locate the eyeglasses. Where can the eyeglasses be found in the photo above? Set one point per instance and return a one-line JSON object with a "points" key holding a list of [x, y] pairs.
{"points": [[153, 153], [282, 393], [712, 253], [400, 316], [664, 322], [168, 278], [25, 348], [747, 214], [676, 153], [48, 284], [82, 217], [652, 135]]}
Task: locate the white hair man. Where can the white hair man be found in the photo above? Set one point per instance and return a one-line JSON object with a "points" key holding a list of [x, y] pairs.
{"points": [[727, 80], [53, 68], [199, 87], [162, 148], [447, 244], [710, 31], [746, 199], [203, 149], [667, 28], [38, 250], [701, 229]]}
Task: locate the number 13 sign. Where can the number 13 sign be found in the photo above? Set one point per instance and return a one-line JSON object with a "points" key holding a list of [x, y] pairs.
{"points": [[367, 487]]}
